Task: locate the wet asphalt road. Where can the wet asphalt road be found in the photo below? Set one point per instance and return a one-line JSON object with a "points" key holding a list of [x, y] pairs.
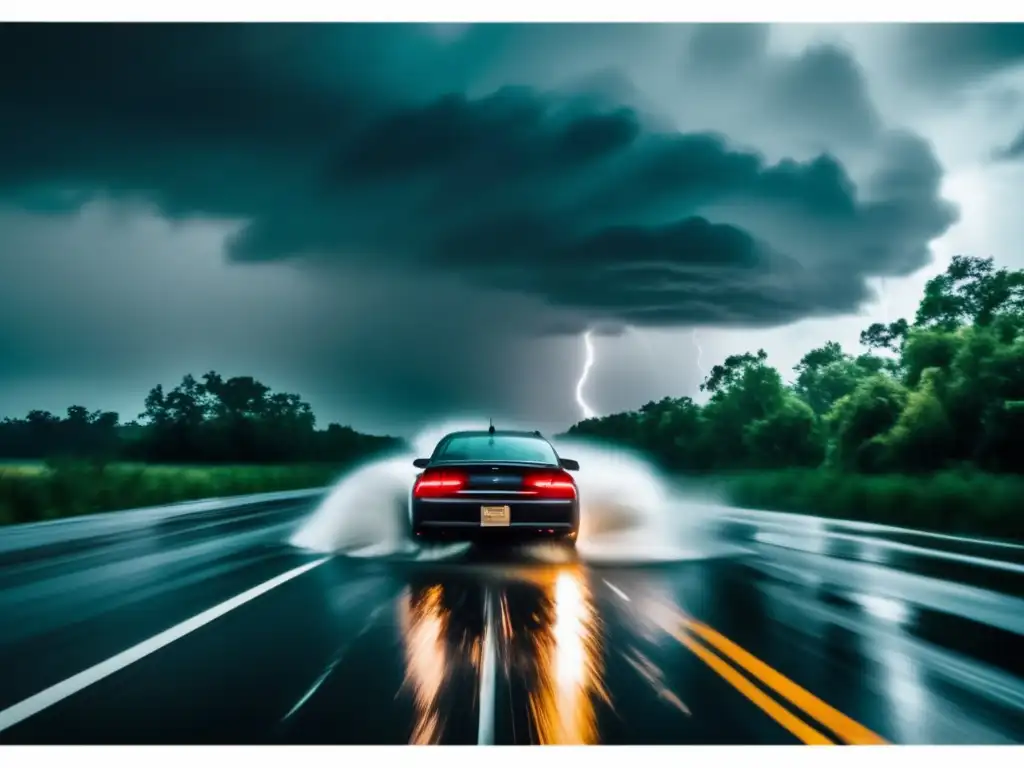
{"points": [[805, 639]]}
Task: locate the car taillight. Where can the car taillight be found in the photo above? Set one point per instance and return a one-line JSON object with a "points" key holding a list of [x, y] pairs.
{"points": [[551, 485], [434, 483]]}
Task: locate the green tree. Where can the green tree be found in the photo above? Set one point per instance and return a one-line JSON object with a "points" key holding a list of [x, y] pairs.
{"points": [[745, 389], [859, 422], [671, 428], [985, 376], [885, 336], [826, 374], [923, 438], [928, 348], [787, 436], [725, 375], [971, 290], [945, 391]]}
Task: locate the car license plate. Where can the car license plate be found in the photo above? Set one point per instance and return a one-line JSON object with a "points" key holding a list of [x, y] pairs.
{"points": [[495, 517]]}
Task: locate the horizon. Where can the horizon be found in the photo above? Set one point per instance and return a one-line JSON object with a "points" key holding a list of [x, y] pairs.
{"points": [[401, 222]]}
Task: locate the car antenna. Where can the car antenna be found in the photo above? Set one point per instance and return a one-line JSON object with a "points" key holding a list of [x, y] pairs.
{"points": [[490, 429]]}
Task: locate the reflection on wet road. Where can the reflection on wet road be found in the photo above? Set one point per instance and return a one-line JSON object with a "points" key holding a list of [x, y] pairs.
{"points": [[550, 646], [540, 629], [774, 645], [434, 646]]}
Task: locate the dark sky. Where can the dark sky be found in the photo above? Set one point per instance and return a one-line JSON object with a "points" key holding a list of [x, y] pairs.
{"points": [[402, 222]]}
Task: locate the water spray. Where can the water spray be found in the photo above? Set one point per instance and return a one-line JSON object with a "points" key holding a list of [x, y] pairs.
{"points": [[629, 512]]}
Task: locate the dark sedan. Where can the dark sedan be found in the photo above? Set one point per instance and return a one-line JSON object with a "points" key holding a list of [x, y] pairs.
{"points": [[495, 486]]}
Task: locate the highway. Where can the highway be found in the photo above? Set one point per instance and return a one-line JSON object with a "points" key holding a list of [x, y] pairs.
{"points": [[200, 624]]}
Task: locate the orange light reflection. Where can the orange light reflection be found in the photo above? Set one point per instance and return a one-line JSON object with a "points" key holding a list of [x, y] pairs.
{"points": [[569, 669], [424, 623]]}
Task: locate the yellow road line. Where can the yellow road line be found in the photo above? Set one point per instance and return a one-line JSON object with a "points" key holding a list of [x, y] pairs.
{"points": [[849, 730], [772, 708]]}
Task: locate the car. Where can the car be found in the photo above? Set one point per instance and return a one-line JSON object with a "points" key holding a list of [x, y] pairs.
{"points": [[495, 486]]}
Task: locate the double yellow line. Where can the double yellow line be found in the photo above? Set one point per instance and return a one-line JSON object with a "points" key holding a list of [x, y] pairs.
{"points": [[691, 633]]}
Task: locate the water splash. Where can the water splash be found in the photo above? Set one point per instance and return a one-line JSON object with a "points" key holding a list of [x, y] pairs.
{"points": [[363, 512], [629, 512]]}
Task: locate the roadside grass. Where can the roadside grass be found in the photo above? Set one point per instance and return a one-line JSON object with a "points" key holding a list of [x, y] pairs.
{"points": [[961, 503], [22, 467], [966, 503], [30, 493]]}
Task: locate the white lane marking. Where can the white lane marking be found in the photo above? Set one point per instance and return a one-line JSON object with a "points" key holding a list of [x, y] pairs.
{"points": [[975, 674], [947, 597], [55, 693], [118, 576], [789, 540], [801, 521], [956, 557], [616, 590], [313, 688], [488, 674], [28, 535]]}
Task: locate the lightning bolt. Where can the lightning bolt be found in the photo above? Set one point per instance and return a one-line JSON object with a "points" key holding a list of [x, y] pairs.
{"points": [[588, 344], [700, 353]]}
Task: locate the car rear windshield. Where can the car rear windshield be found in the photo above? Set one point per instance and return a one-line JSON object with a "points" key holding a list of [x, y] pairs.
{"points": [[496, 448]]}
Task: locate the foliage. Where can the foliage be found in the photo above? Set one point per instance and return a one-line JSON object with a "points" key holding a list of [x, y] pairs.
{"points": [[962, 503], [88, 462], [212, 420], [925, 428], [944, 393], [68, 488]]}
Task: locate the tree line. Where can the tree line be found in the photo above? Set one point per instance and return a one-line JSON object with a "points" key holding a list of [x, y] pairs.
{"points": [[213, 419], [944, 391]]}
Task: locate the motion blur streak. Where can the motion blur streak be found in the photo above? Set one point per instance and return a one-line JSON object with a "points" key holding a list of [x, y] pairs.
{"points": [[424, 623], [588, 344], [488, 674], [568, 664], [654, 676], [900, 643]]}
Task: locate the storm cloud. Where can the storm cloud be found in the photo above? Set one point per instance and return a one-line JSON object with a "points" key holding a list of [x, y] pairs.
{"points": [[561, 195], [817, 98], [496, 186], [1012, 151], [949, 56]]}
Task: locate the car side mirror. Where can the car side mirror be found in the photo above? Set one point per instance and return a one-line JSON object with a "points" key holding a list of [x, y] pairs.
{"points": [[421, 463], [571, 464]]}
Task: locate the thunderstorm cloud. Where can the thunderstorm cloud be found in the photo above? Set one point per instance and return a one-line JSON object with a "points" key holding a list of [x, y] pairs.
{"points": [[560, 195], [480, 196]]}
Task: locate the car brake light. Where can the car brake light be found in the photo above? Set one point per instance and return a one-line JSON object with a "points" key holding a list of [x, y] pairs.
{"points": [[551, 485], [435, 483]]}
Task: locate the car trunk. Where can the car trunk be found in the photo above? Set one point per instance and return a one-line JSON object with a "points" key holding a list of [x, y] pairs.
{"points": [[493, 477]]}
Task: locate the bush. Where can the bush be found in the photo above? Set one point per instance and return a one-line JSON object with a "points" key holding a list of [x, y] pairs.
{"points": [[68, 489], [966, 503]]}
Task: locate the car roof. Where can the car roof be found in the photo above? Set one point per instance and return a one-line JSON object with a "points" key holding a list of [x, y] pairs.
{"points": [[495, 433], [534, 435]]}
